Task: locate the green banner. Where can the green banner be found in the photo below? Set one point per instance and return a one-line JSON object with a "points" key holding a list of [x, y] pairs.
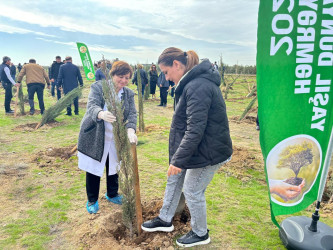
{"points": [[294, 74], [86, 61]]}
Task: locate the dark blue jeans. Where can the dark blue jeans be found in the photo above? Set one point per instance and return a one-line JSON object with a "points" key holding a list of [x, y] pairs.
{"points": [[53, 87]]}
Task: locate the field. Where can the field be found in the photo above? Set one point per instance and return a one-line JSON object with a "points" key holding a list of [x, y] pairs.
{"points": [[42, 192]]}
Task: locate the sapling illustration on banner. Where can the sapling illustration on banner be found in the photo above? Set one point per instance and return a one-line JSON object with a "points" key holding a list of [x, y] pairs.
{"points": [[295, 157]]}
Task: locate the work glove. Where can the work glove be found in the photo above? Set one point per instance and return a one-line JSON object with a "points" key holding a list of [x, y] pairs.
{"points": [[106, 116], [132, 136]]}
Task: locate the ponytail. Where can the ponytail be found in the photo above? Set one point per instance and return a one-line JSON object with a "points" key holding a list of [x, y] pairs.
{"points": [[189, 59]]}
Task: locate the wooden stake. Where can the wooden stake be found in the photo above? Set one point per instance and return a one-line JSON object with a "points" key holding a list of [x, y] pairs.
{"points": [[38, 126], [15, 110], [73, 150], [138, 208]]}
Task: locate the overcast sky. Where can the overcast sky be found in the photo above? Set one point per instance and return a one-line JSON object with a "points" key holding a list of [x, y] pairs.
{"points": [[132, 30]]}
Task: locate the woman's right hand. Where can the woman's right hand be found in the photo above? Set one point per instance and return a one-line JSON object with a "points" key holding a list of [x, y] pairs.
{"points": [[106, 116]]}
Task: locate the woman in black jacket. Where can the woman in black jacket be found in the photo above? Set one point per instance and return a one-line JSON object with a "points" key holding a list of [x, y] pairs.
{"points": [[199, 141], [153, 76]]}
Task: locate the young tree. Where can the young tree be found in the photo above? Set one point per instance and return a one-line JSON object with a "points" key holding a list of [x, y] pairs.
{"points": [[21, 100], [126, 173], [296, 156], [54, 111], [141, 121]]}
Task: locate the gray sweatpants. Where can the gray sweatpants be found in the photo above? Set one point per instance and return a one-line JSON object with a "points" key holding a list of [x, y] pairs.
{"points": [[195, 182]]}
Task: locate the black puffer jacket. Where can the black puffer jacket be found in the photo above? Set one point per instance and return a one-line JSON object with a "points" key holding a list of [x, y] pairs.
{"points": [[199, 134]]}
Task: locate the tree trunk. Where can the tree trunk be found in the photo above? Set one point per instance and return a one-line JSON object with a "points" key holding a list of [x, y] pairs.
{"points": [[229, 86], [141, 121]]}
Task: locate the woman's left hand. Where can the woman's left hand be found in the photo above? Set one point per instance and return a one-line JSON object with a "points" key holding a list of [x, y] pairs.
{"points": [[132, 136], [173, 170]]}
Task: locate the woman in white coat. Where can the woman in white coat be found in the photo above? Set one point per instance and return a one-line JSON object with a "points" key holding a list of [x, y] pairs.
{"points": [[96, 144]]}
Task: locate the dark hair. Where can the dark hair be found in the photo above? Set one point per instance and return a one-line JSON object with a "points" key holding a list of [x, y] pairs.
{"points": [[68, 58], [5, 59], [32, 61], [189, 59], [121, 68], [152, 66], [58, 57]]}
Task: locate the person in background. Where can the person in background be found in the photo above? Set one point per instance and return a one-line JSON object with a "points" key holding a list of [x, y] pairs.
{"points": [[35, 79], [12, 71], [96, 144], [216, 66], [68, 78], [257, 123], [164, 86], [7, 83], [153, 76], [99, 75], [19, 67], [144, 78], [199, 141], [53, 74]]}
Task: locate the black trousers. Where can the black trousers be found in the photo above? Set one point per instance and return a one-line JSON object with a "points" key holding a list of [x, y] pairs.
{"points": [[39, 89], [8, 95], [93, 184], [76, 106], [164, 95]]}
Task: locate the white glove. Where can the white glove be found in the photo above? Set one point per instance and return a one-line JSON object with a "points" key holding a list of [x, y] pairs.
{"points": [[132, 136], [106, 116]]}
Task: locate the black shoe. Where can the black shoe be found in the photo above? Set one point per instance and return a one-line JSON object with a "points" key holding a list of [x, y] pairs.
{"points": [[76, 113], [32, 112], [69, 114], [157, 224], [164, 105], [10, 112], [160, 105], [191, 239]]}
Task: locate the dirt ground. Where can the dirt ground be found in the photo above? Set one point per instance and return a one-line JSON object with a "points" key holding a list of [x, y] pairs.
{"points": [[105, 230]]}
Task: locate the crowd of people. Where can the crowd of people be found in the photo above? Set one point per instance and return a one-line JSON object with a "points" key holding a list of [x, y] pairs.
{"points": [[63, 76], [199, 139]]}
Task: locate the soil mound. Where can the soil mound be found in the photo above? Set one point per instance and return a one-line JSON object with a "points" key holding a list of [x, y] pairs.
{"points": [[109, 231], [241, 161], [32, 126], [47, 158], [13, 170], [247, 119], [151, 128]]}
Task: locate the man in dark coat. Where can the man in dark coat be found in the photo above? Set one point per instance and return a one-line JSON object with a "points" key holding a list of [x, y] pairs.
{"points": [[68, 78], [53, 75], [7, 83]]}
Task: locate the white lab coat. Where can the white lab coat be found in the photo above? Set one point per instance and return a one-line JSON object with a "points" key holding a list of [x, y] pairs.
{"points": [[95, 167]]}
